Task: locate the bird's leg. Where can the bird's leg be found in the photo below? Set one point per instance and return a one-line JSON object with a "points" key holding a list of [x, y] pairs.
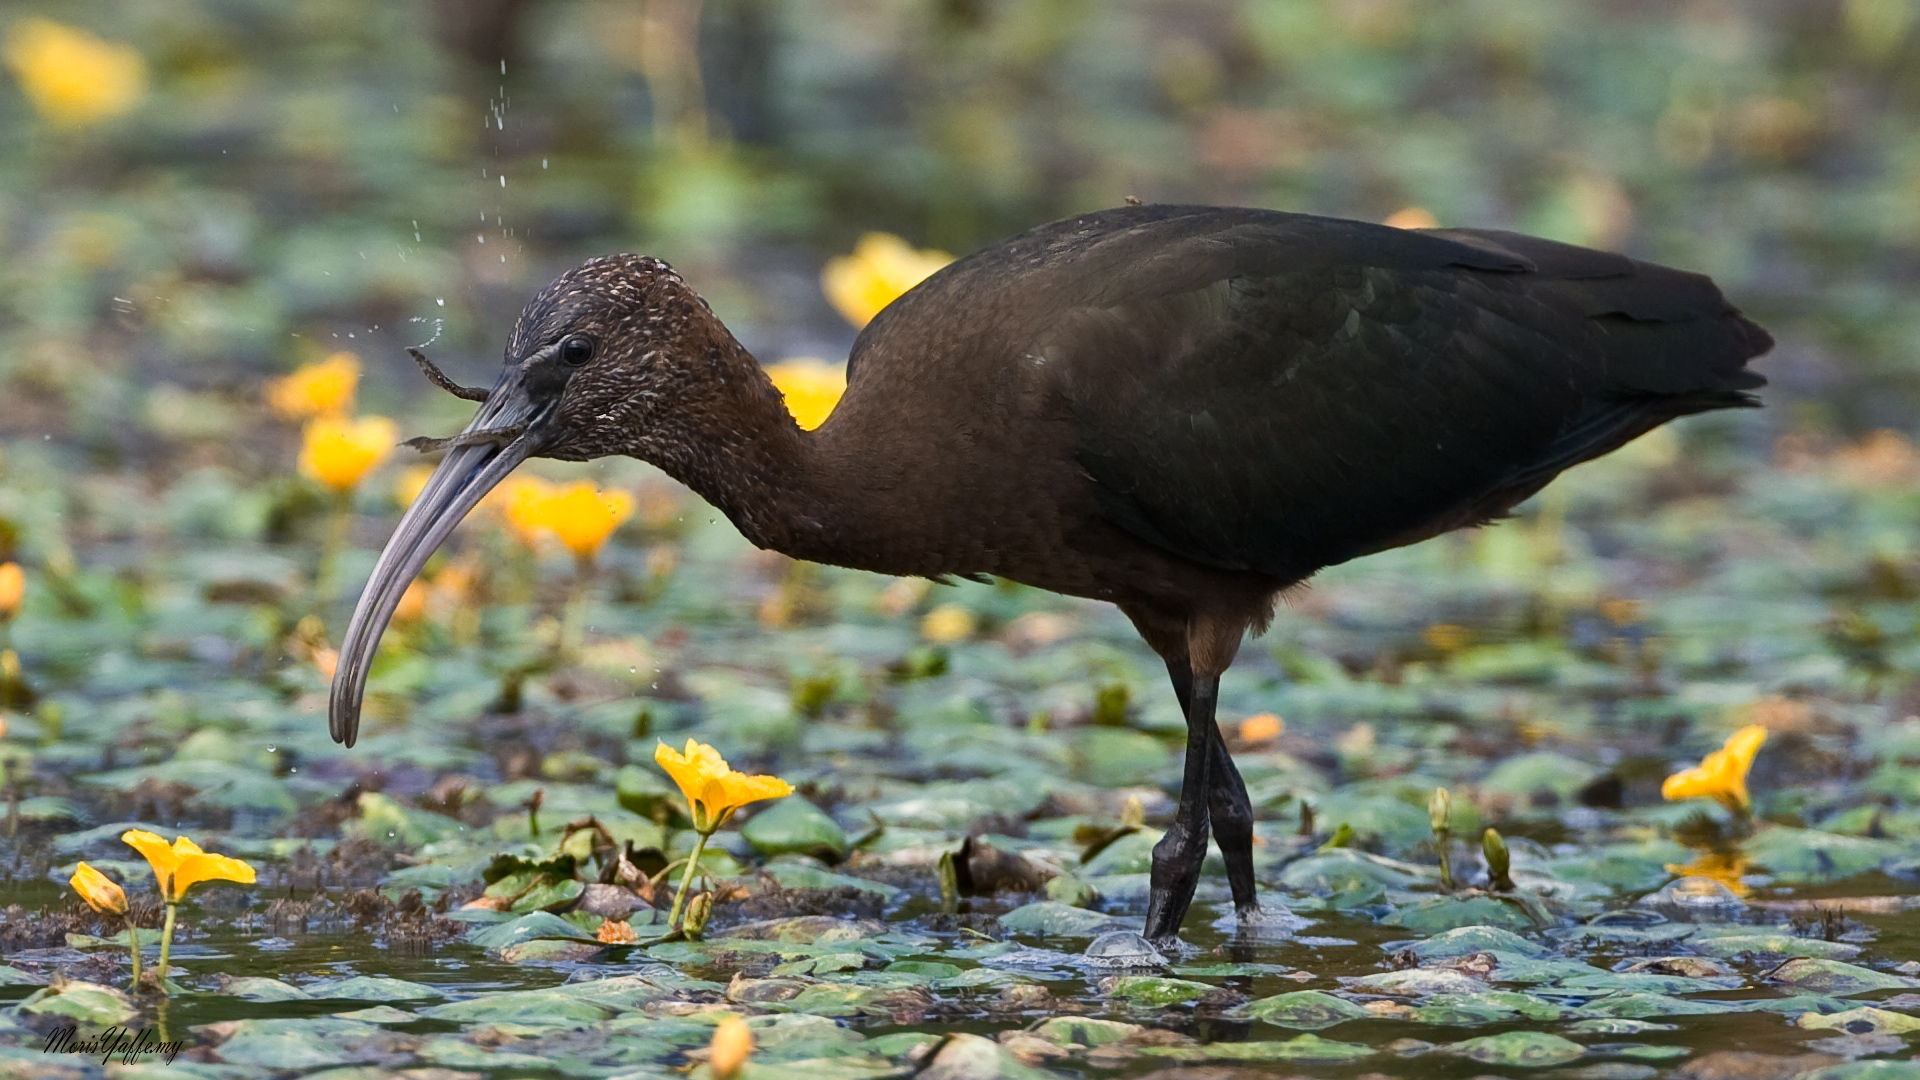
{"points": [[1232, 815], [1229, 811], [1178, 855]]}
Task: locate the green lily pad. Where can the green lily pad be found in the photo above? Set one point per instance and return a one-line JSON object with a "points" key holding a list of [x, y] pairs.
{"points": [[1131, 854], [1866, 1070], [927, 969], [1419, 982], [257, 988], [88, 1004], [822, 965], [1467, 940], [1306, 1010], [1806, 855], [380, 1014], [1049, 918], [794, 825], [1343, 869], [1085, 1031], [1155, 991], [549, 894], [1865, 1020], [1835, 977], [539, 1007], [1308, 1047], [297, 1043], [538, 924], [1641, 1006], [371, 988], [1486, 1007], [1612, 1025], [1773, 945], [1522, 1049], [804, 930], [1450, 913]]}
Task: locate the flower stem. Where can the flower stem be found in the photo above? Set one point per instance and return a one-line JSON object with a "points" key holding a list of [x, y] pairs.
{"points": [[166, 945], [573, 617], [133, 942], [686, 880], [339, 522]]}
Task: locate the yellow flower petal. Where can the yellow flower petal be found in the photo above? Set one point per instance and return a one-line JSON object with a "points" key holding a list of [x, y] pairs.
{"points": [[339, 452], [583, 516], [200, 867], [322, 389], [1721, 775], [520, 502], [182, 865], [811, 388], [98, 890], [732, 1045], [13, 588], [881, 267], [713, 790], [159, 855], [72, 77]]}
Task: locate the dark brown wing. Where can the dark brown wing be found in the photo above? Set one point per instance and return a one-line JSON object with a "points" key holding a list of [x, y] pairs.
{"points": [[1273, 392]]}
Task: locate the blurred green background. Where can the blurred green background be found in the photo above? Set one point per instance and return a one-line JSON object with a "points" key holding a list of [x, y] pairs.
{"points": [[291, 178]]}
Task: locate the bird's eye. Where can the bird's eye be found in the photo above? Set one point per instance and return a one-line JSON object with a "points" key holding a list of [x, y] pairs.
{"points": [[576, 350]]}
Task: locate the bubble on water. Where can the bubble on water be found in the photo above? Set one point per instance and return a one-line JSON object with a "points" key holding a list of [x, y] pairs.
{"points": [[271, 749], [442, 301]]}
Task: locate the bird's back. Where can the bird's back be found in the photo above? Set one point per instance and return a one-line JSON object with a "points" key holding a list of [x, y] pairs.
{"points": [[1264, 393]]}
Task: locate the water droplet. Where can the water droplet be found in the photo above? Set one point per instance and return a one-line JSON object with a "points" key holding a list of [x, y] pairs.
{"points": [[272, 749], [441, 300]]}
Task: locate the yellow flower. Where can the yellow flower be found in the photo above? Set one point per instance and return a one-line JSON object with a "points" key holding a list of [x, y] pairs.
{"points": [[713, 790], [13, 588], [811, 387], [583, 516], [338, 452], [322, 389], [732, 1045], [881, 267], [521, 501], [98, 890], [947, 624], [1722, 774], [72, 77], [1261, 728], [184, 865]]}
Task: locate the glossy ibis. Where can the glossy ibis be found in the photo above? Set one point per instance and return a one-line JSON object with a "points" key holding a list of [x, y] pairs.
{"points": [[1183, 410]]}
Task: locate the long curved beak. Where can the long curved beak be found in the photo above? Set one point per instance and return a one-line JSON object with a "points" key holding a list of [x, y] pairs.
{"points": [[508, 429]]}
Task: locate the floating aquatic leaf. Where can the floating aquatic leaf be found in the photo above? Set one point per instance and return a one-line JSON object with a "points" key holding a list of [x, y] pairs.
{"points": [[1049, 918], [1154, 991], [1309, 1010], [1865, 1020], [795, 825], [84, 1003], [1467, 940], [1085, 1031], [299, 1043], [1308, 1047], [1787, 945], [1835, 977], [1523, 1049], [1448, 913]]}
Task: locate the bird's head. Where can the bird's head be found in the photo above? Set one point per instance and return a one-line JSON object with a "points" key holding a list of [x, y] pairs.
{"points": [[590, 368]]}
